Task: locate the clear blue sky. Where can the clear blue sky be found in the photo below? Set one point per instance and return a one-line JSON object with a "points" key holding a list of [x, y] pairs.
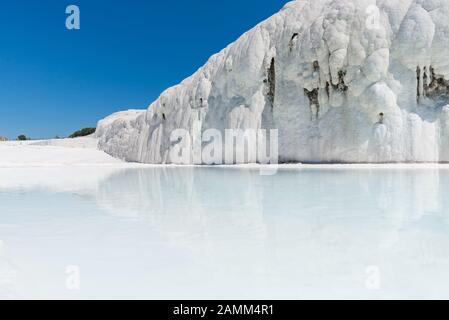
{"points": [[54, 81]]}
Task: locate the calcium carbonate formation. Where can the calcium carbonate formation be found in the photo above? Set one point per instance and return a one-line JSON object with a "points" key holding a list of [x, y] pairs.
{"points": [[341, 80]]}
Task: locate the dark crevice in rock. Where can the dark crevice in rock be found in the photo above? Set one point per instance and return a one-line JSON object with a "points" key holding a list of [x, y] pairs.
{"points": [[341, 86], [271, 83], [418, 86], [314, 102], [430, 85], [163, 112], [290, 44], [313, 95], [328, 89], [270, 96], [437, 87], [425, 79]]}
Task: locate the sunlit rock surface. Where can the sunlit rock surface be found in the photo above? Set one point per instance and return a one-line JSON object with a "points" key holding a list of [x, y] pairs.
{"points": [[321, 72]]}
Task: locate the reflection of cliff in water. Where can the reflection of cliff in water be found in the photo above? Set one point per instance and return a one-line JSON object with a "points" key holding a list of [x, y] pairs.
{"points": [[295, 220], [204, 209], [400, 196], [299, 231]]}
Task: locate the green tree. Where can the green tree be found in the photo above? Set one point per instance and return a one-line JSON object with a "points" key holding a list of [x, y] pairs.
{"points": [[83, 132], [22, 137]]}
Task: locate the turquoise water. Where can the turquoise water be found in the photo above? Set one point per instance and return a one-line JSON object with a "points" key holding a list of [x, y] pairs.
{"points": [[217, 233]]}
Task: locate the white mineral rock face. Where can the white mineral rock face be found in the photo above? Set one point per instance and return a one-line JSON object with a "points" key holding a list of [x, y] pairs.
{"points": [[321, 72]]}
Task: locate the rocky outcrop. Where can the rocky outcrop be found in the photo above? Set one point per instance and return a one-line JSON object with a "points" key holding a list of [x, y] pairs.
{"points": [[321, 72]]}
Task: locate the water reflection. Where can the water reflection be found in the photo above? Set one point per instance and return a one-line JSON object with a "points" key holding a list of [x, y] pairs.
{"points": [[225, 233]]}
